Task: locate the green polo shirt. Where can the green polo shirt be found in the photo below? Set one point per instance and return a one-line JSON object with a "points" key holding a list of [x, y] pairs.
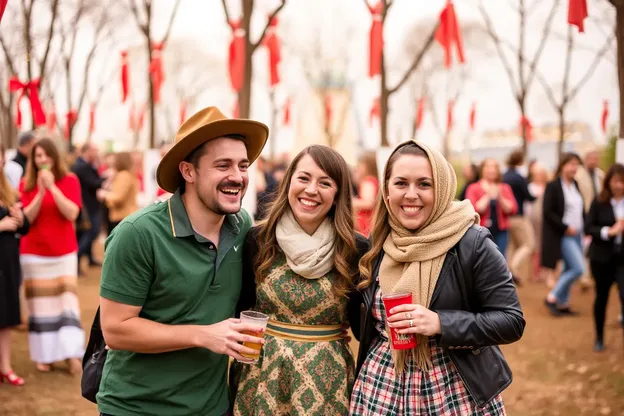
{"points": [[154, 259]]}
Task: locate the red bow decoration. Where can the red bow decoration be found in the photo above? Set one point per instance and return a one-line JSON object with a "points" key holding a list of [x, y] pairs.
{"points": [[32, 89], [328, 111], [182, 112], [236, 54], [375, 111], [473, 115], [70, 119], [125, 77], [449, 115], [375, 39], [287, 112], [156, 69], [3, 4], [420, 113], [526, 124], [52, 118], [92, 118], [272, 42], [448, 33], [577, 13], [605, 115]]}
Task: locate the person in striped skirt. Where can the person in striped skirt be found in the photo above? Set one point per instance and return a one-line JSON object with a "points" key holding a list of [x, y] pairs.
{"points": [[52, 201]]}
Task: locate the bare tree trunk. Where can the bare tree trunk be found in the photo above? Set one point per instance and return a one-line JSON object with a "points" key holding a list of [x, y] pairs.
{"points": [[274, 129], [561, 114], [383, 104]]}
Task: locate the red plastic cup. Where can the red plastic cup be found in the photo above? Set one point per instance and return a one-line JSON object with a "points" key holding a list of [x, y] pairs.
{"points": [[399, 341]]}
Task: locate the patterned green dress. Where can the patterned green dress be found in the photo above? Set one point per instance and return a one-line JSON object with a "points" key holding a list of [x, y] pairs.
{"points": [[292, 377]]}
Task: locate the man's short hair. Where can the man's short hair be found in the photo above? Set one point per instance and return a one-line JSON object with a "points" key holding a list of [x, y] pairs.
{"points": [[25, 138], [516, 158]]}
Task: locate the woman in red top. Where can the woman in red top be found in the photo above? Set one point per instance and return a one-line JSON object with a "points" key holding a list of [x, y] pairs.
{"points": [[494, 201], [52, 201], [366, 179]]}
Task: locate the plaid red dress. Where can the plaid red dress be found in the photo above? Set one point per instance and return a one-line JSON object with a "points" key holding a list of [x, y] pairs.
{"points": [[438, 392]]}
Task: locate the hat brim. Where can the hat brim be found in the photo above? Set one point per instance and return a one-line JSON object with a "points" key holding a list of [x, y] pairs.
{"points": [[255, 133]]}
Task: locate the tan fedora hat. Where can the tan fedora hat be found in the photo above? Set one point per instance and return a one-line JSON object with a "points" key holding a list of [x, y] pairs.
{"points": [[205, 125]]}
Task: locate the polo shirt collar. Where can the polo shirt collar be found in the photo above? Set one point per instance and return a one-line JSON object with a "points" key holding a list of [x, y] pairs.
{"points": [[181, 224]]}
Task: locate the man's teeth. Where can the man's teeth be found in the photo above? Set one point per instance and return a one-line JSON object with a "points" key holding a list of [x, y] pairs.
{"points": [[412, 209], [231, 191]]}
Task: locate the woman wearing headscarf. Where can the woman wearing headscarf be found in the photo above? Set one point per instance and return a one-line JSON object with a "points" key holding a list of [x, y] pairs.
{"points": [[464, 303]]}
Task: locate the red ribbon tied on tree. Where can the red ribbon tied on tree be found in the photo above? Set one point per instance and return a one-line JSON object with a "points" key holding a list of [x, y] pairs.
{"points": [[70, 119], [125, 77], [236, 54], [287, 112], [156, 70], [420, 113], [328, 111], [3, 4], [51, 117], [273, 45], [577, 13], [32, 89], [473, 115], [375, 111], [525, 123], [449, 34], [92, 118], [375, 39], [605, 115]]}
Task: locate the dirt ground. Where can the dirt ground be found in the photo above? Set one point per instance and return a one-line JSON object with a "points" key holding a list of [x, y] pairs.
{"points": [[555, 370]]}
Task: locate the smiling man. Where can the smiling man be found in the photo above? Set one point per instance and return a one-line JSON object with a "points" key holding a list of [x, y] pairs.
{"points": [[172, 276]]}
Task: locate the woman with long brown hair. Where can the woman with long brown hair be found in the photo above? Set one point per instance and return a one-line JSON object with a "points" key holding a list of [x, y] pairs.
{"points": [[13, 224], [51, 196], [605, 223], [299, 268], [464, 304]]}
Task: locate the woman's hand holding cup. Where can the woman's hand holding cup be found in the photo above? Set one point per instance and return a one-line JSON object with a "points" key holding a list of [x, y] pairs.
{"points": [[414, 319]]}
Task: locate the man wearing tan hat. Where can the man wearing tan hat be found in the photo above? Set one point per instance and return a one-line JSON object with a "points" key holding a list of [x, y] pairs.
{"points": [[172, 276]]}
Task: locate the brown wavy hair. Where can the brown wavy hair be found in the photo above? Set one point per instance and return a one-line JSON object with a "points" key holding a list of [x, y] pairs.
{"points": [[8, 195], [59, 170], [616, 170], [381, 227], [341, 215]]}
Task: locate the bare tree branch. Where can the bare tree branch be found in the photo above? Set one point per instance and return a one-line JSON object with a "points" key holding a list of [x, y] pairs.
{"points": [[419, 56], [498, 44], [592, 67], [225, 11], [171, 19], [538, 53], [7, 55], [54, 9], [135, 12], [254, 45]]}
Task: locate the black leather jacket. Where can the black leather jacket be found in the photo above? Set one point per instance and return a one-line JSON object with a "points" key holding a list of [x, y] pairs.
{"points": [[478, 308]]}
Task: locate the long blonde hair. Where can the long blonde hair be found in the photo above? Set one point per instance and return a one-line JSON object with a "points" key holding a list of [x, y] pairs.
{"points": [[8, 195], [332, 163]]}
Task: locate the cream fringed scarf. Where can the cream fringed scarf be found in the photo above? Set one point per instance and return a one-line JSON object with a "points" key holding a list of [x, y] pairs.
{"points": [[310, 256], [413, 260]]}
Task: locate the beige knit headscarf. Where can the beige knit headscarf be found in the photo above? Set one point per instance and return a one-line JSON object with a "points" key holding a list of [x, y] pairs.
{"points": [[413, 259]]}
